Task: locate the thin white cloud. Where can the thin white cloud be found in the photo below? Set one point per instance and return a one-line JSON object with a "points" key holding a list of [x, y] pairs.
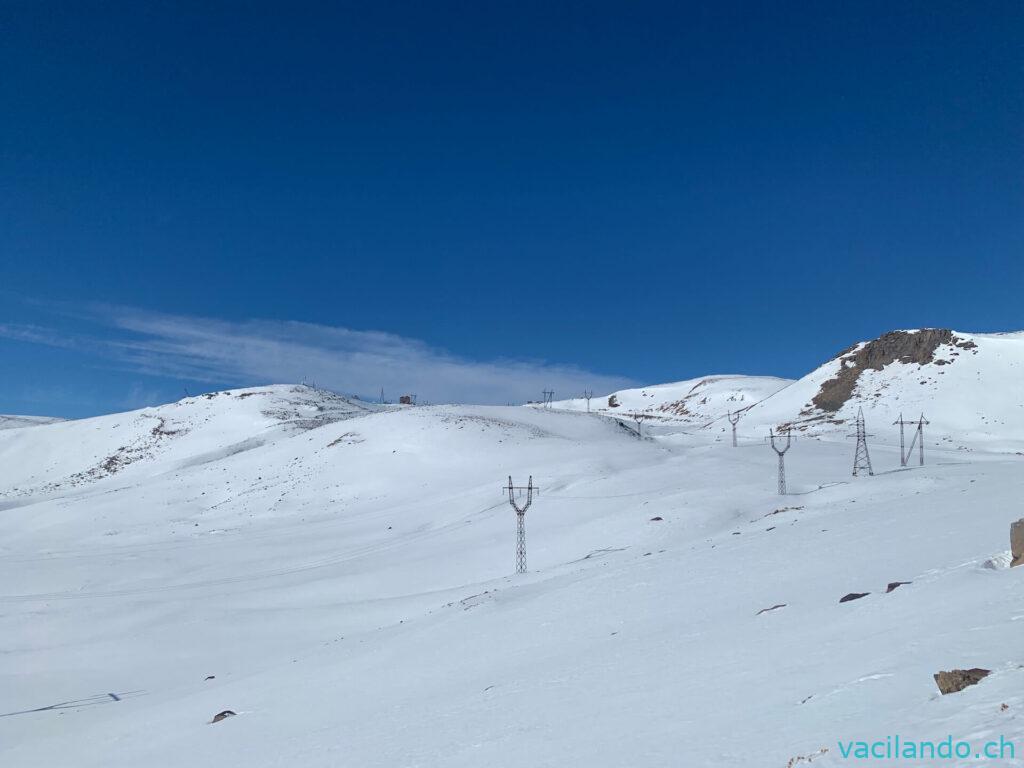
{"points": [[260, 351]]}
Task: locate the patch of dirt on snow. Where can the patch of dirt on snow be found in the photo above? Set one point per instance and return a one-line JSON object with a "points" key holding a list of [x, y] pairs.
{"points": [[695, 395], [143, 447]]}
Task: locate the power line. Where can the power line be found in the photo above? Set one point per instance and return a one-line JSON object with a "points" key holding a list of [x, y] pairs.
{"points": [[782, 456], [918, 438], [861, 457], [516, 491], [734, 419], [638, 418]]}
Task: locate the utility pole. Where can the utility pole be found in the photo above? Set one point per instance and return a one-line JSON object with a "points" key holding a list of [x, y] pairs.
{"points": [[588, 393], [861, 457], [549, 396], [782, 456], [734, 419], [918, 438], [638, 418], [516, 491]]}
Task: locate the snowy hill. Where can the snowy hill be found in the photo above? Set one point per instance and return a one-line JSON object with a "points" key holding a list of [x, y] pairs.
{"points": [[195, 430], [970, 387], [696, 402], [340, 576]]}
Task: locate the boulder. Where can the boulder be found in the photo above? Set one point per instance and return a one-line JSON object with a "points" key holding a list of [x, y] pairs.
{"points": [[955, 680], [1017, 543]]}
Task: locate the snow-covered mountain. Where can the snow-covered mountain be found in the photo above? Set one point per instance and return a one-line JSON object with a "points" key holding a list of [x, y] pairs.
{"points": [[969, 386], [340, 576]]}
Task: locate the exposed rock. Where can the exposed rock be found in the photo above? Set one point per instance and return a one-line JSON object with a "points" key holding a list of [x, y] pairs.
{"points": [[656, 519], [902, 346], [222, 715], [1017, 543], [797, 760], [957, 679], [894, 584], [774, 607], [853, 596]]}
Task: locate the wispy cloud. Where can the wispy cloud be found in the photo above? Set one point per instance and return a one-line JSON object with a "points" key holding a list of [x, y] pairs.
{"points": [[254, 352]]}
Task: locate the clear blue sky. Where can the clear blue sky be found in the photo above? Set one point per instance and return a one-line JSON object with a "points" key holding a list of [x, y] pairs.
{"points": [[217, 194]]}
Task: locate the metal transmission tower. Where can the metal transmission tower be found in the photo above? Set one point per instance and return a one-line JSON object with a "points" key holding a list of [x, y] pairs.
{"points": [[782, 456], [516, 491], [734, 419], [638, 419], [918, 438], [861, 458], [549, 396], [587, 394]]}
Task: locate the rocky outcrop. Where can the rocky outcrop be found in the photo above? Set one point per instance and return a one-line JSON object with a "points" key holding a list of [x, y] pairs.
{"points": [[896, 346], [956, 680]]}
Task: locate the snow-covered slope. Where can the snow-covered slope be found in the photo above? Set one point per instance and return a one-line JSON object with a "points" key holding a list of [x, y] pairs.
{"points": [[696, 402], [56, 457], [969, 386], [18, 422], [340, 577]]}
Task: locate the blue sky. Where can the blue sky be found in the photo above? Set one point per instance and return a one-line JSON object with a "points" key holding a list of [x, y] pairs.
{"points": [[475, 201]]}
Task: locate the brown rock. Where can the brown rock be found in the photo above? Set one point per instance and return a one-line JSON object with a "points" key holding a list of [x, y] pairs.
{"points": [[904, 346], [1017, 542], [957, 679]]}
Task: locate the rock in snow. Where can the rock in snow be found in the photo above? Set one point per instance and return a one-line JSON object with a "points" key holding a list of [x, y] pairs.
{"points": [[1017, 543], [956, 680]]}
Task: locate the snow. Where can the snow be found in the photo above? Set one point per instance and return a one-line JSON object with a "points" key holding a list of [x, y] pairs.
{"points": [[344, 572], [973, 398], [19, 422], [698, 402]]}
